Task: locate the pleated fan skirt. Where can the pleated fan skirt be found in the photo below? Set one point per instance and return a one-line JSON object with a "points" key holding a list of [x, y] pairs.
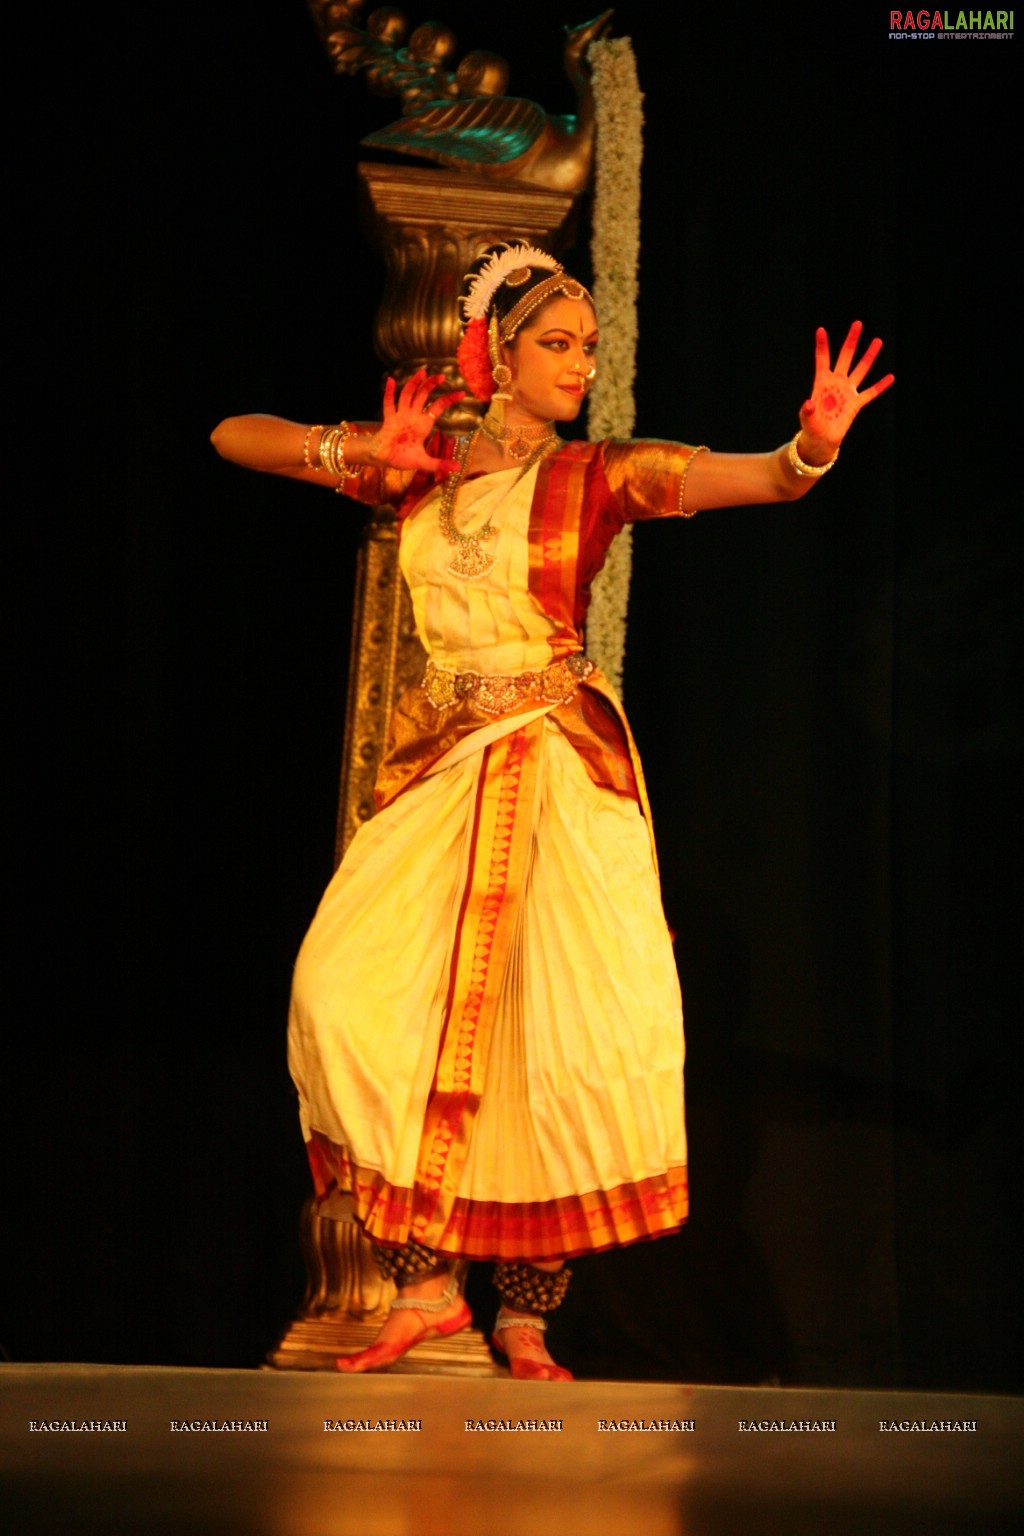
{"points": [[486, 1027]]}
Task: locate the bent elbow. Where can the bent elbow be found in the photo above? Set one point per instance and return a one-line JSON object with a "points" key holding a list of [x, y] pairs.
{"points": [[220, 437]]}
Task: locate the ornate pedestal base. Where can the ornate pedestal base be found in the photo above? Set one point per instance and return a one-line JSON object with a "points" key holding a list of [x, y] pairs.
{"points": [[314, 1343], [346, 1301]]}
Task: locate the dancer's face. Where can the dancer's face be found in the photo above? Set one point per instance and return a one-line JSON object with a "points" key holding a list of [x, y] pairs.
{"points": [[553, 361]]}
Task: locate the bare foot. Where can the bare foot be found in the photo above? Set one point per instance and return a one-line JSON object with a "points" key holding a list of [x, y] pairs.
{"points": [[527, 1352], [406, 1326]]}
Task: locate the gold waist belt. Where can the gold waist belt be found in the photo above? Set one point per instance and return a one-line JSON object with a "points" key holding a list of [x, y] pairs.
{"points": [[497, 693]]}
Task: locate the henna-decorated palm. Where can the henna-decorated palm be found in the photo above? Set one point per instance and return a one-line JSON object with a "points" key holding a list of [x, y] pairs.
{"points": [[836, 397], [409, 420]]}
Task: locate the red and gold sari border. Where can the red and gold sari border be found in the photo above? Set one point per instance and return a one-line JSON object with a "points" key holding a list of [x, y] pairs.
{"points": [[492, 1230]]}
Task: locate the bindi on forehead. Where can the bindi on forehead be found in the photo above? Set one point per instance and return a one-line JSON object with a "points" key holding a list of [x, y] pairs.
{"points": [[569, 317]]}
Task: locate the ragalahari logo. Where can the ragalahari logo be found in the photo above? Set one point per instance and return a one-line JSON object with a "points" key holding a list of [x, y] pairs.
{"points": [[951, 26]]}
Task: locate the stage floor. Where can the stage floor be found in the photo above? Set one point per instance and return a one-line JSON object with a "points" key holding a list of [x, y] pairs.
{"points": [[702, 1475]]}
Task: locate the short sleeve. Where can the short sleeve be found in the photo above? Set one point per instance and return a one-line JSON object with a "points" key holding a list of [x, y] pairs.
{"points": [[645, 476]]}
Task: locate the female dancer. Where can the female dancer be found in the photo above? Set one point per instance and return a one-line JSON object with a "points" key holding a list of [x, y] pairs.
{"points": [[486, 1029]]}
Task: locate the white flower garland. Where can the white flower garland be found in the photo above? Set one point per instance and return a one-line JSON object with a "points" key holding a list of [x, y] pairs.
{"points": [[615, 254]]}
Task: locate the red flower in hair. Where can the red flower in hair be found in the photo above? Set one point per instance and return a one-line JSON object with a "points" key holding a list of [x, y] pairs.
{"points": [[474, 361]]}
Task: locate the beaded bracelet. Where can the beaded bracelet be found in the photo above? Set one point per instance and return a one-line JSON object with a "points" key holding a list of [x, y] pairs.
{"points": [[682, 483], [807, 471], [305, 447]]}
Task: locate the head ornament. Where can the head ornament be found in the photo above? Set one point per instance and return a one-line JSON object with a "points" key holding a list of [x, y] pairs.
{"points": [[510, 265]]}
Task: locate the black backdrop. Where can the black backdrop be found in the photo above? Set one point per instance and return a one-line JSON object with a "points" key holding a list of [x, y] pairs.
{"points": [[823, 694]]}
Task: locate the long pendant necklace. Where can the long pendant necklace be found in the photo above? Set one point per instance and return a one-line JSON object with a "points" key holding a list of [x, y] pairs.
{"points": [[471, 560]]}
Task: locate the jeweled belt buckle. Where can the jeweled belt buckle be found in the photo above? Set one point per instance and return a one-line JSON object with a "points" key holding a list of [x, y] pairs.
{"points": [[466, 684]]}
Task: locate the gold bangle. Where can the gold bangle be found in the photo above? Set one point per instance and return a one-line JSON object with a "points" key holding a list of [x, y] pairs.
{"points": [[342, 434], [808, 471], [682, 484], [305, 447], [326, 448]]}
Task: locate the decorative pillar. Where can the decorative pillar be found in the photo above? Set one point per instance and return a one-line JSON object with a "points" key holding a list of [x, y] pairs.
{"points": [[430, 226]]}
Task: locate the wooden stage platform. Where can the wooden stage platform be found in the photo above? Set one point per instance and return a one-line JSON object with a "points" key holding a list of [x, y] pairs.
{"points": [[276, 1470]]}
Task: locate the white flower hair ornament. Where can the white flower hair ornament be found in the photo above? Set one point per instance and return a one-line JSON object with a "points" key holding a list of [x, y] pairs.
{"points": [[510, 265]]}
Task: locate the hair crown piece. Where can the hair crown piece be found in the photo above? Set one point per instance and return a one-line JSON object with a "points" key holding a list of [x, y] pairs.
{"points": [[499, 268]]}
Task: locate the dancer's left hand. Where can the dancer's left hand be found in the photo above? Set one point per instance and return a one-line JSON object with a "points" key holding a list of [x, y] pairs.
{"points": [[836, 397]]}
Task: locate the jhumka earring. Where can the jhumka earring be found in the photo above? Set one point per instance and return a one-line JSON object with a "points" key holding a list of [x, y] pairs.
{"points": [[500, 372]]}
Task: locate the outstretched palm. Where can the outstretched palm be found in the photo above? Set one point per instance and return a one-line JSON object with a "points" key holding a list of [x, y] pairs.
{"points": [[836, 396], [408, 421]]}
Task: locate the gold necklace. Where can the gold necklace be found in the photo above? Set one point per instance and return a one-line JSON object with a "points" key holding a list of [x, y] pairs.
{"points": [[471, 560], [519, 439]]}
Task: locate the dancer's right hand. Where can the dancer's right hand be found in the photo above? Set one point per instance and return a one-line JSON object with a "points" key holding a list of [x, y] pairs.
{"points": [[408, 421]]}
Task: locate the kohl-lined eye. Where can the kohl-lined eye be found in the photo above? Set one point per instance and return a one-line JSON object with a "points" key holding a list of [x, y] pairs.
{"points": [[559, 344]]}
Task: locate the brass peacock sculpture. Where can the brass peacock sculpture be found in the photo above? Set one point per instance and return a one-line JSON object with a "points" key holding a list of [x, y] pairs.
{"points": [[461, 118]]}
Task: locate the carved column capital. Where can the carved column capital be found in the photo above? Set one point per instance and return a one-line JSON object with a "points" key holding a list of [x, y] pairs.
{"points": [[430, 226]]}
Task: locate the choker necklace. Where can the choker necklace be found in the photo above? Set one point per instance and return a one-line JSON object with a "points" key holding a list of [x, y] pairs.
{"points": [[471, 560], [520, 440]]}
